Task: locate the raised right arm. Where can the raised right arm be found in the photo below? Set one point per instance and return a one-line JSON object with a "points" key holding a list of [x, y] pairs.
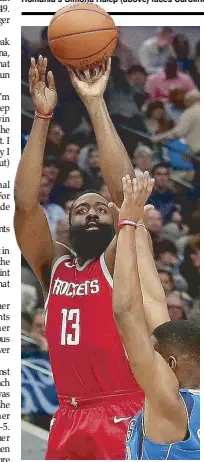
{"points": [[31, 226]]}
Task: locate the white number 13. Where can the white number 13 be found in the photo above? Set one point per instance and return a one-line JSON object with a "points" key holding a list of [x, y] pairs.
{"points": [[70, 315]]}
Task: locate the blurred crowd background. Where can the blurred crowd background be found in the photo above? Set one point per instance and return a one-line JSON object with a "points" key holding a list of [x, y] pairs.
{"points": [[153, 99]]}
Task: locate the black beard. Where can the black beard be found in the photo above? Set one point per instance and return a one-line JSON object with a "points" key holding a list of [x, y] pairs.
{"points": [[90, 244]]}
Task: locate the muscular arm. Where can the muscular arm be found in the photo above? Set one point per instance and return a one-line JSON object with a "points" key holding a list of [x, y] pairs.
{"points": [[154, 299], [114, 160], [31, 226]]}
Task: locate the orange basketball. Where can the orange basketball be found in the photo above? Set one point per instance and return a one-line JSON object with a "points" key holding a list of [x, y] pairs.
{"points": [[82, 35]]}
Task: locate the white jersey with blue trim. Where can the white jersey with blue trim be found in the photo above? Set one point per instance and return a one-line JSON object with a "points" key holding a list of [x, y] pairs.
{"points": [[139, 447]]}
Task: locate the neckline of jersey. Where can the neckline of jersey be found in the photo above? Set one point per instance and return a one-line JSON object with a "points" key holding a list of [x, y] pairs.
{"points": [[79, 267]]}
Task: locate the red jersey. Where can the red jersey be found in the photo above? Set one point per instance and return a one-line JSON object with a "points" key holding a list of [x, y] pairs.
{"points": [[86, 353]]}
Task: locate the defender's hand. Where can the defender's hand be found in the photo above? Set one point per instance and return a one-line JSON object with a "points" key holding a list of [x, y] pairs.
{"points": [[136, 192], [44, 97], [90, 84]]}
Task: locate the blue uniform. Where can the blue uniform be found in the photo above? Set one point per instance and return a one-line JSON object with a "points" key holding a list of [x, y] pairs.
{"points": [[139, 447]]}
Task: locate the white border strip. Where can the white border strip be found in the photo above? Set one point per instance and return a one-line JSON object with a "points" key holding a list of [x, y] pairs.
{"points": [[33, 430], [105, 270]]}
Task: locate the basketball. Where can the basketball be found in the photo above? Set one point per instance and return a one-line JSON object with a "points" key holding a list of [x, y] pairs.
{"points": [[82, 35]]}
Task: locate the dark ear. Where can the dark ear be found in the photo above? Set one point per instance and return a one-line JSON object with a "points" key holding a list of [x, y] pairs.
{"points": [[172, 363]]}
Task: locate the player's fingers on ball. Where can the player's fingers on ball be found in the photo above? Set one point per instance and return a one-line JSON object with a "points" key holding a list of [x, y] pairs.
{"points": [[95, 71], [86, 74]]}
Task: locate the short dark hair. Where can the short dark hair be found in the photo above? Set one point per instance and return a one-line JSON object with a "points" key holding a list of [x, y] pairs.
{"points": [[80, 194], [183, 336], [160, 165], [165, 246], [51, 160]]}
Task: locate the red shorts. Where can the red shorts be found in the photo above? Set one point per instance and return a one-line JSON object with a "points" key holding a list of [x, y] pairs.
{"points": [[94, 429]]}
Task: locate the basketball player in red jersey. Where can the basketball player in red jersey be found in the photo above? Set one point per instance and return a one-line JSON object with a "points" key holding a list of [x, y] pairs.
{"points": [[96, 389]]}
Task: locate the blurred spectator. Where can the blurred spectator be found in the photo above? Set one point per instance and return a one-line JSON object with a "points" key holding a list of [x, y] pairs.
{"points": [[121, 94], [154, 224], [136, 77], [142, 159], [94, 175], [174, 229], [55, 134], [124, 53], [166, 258], [188, 128], [53, 212], [175, 307], [181, 49], [51, 168], [195, 67], [38, 329], [162, 197], [31, 291], [160, 84], [70, 153], [190, 268], [156, 118], [155, 51], [83, 157], [176, 153], [168, 285], [193, 223], [70, 182], [167, 281]]}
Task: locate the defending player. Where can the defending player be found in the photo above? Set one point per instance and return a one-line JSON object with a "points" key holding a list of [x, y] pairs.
{"points": [[166, 364]]}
